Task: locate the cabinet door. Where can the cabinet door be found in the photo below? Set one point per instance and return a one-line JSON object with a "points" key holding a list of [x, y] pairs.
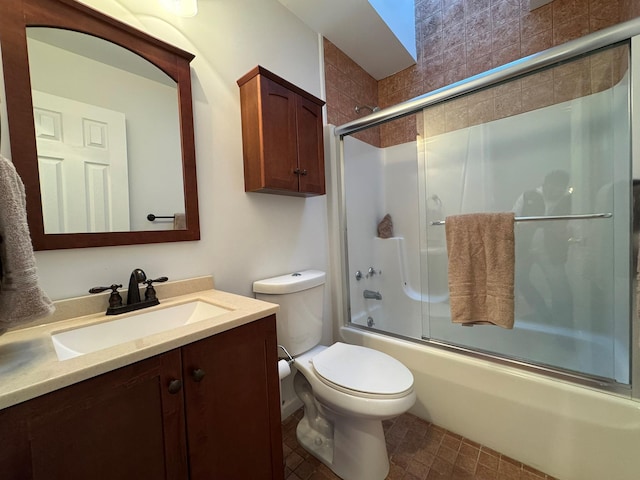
{"points": [[233, 411], [310, 146], [121, 425], [279, 136]]}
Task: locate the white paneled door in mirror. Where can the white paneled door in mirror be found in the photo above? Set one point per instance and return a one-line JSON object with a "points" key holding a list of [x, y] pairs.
{"points": [[82, 161]]}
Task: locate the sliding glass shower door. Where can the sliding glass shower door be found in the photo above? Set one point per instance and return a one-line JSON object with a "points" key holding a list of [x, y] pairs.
{"points": [[555, 143], [552, 146]]}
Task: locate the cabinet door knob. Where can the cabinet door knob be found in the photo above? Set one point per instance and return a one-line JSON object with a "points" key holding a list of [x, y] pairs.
{"points": [[175, 386], [197, 374], [297, 171]]}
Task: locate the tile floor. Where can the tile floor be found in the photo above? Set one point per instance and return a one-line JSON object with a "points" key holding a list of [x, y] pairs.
{"points": [[418, 450]]}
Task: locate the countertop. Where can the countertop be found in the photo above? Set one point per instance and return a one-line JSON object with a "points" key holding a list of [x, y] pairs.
{"points": [[29, 366]]}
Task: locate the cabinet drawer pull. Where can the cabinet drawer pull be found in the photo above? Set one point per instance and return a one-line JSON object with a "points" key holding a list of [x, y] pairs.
{"points": [[197, 374], [175, 386]]}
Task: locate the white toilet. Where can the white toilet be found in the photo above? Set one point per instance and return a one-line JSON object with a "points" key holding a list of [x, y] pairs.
{"points": [[347, 390]]}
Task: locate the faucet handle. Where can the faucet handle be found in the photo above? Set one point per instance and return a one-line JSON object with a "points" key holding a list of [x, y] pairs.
{"points": [[156, 280], [372, 271], [150, 292], [115, 300], [113, 288]]}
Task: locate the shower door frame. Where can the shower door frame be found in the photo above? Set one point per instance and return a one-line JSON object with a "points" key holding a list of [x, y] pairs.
{"points": [[635, 158], [625, 32]]}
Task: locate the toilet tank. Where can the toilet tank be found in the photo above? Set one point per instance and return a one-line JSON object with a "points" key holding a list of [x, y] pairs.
{"points": [[301, 299]]}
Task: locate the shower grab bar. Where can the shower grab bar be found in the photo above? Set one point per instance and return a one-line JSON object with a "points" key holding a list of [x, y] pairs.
{"points": [[580, 216]]}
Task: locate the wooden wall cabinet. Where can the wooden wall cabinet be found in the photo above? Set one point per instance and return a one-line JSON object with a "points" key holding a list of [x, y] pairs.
{"points": [[209, 410], [282, 136]]}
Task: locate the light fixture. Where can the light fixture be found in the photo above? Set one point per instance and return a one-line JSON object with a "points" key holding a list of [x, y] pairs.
{"points": [[182, 8]]}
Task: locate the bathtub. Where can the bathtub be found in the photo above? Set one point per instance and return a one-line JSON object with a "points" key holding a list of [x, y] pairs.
{"points": [[567, 431]]}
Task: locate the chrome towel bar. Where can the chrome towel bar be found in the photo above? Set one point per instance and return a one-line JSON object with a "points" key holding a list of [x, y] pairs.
{"points": [[581, 216]]}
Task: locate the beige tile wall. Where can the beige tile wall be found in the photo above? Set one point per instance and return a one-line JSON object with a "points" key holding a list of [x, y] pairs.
{"points": [[573, 80], [460, 38], [348, 86]]}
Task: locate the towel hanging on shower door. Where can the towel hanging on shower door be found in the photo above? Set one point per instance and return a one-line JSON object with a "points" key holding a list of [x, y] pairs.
{"points": [[481, 263]]}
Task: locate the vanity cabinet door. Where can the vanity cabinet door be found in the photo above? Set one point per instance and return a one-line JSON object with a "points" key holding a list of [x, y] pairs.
{"points": [[125, 424], [232, 404]]}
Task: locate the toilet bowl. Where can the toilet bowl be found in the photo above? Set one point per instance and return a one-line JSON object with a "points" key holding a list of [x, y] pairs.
{"points": [[347, 390], [359, 381], [342, 426]]}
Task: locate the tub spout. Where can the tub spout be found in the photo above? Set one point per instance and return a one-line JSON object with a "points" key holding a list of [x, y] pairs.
{"points": [[371, 294]]}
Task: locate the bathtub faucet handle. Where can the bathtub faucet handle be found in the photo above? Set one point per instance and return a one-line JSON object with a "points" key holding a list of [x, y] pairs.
{"points": [[372, 271]]}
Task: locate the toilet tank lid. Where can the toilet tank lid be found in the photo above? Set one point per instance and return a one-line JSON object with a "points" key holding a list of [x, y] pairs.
{"points": [[290, 283]]}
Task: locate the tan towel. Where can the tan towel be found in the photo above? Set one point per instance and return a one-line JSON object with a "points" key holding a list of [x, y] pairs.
{"points": [[481, 268], [21, 299], [179, 221]]}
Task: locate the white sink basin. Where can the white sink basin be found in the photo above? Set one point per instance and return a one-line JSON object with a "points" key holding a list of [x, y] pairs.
{"points": [[80, 341]]}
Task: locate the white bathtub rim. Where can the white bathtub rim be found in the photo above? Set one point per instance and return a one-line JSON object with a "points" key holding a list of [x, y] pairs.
{"points": [[520, 378]]}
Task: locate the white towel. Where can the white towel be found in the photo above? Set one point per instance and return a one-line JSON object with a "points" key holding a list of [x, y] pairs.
{"points": [[21, 298]]}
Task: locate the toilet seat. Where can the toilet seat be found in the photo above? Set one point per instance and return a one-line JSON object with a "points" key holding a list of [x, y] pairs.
{"points": [[362, 371]]}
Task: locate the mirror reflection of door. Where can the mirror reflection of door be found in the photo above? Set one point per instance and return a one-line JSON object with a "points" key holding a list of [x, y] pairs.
{"points": [[82, 162], [93, 71]]}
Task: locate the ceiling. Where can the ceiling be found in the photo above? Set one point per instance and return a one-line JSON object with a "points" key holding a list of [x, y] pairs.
{"points": [[357, 29]]}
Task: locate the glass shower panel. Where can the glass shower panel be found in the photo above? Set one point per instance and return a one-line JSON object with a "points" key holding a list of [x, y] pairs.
{"points": [[381, 178], [553, 143]]}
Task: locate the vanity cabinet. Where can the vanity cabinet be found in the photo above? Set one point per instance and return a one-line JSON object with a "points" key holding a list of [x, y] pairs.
{"points": [[282, 137], [209, 410]]}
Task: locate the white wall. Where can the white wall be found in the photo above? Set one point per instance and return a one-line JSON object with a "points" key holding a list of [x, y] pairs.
{"points": [[244, 237]]}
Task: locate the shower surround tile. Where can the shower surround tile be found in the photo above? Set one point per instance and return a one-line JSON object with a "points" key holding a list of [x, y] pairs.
{"points": [[457, 39], [418, 450]]}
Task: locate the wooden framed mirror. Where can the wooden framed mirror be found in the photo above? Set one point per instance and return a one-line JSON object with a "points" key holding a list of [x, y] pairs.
{"points": [[139, 112]]}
